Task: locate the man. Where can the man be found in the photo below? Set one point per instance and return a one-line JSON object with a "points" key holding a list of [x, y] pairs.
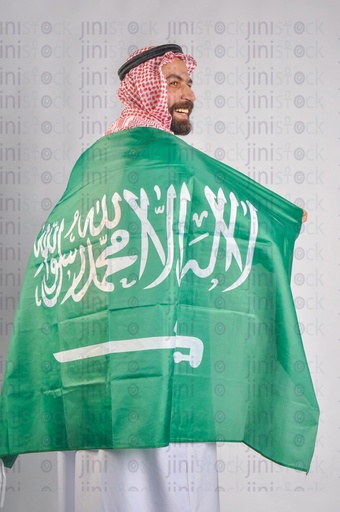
{"points": [[156, 91], [155, 312]]}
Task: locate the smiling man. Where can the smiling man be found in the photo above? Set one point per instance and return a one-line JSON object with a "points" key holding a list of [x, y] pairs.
{"points": [[146, 364]]}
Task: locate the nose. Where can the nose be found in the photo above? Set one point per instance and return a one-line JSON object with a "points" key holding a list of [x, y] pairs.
{"points": [[188, 93]]}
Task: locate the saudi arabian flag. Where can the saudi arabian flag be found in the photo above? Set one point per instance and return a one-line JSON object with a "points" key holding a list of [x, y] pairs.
{"points": [[156, 308]]}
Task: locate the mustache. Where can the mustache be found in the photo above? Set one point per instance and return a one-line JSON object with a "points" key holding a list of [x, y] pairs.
{"points": [[187, 104]]}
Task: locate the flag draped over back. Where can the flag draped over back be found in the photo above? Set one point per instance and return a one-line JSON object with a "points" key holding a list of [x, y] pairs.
{"points": [[156, 308]]}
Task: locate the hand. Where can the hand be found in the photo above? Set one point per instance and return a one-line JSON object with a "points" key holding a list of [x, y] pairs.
{"points": [[304, 216]]}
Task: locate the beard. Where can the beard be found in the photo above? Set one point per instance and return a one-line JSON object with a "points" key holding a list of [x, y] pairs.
{"points": [[181, 126]]}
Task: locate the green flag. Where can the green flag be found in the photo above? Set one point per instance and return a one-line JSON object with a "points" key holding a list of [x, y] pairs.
{"points": [[156, 308]]}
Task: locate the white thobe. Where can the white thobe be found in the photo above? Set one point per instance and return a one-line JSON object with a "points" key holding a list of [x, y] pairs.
{"points": [[178, 478]]}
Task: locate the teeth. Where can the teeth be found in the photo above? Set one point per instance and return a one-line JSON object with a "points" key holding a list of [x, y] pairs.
{"points": [[183, 110]]}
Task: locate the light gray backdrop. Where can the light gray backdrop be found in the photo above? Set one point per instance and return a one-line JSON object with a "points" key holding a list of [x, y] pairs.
{"points": [[267, 87]]}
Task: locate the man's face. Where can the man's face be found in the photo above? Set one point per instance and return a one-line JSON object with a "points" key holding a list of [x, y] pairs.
{"points": [[180, 95]]}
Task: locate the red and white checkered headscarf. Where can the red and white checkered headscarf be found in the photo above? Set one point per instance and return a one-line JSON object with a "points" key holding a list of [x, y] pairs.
{"points": [[143, 93]]}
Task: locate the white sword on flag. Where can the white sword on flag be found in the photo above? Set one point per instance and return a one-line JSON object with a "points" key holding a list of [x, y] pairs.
{"points": [[191, 343]]}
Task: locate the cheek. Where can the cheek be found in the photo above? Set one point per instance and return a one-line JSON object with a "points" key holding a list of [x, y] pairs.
{"points": [[171, 98]]}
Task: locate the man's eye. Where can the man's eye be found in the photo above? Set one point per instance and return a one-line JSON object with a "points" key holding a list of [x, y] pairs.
{"points": [[175, 83]]}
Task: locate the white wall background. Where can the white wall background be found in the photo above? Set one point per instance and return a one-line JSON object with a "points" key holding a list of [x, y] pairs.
{"points": [[267, 88]]}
